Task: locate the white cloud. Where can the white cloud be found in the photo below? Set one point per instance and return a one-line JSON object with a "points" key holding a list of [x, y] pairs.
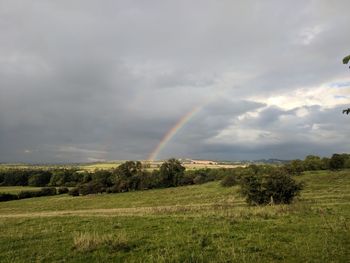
{"points": [[326, 95], [308, 34]]}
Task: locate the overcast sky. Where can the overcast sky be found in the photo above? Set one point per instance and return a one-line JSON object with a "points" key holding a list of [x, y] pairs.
{"points": [[106, 80]]}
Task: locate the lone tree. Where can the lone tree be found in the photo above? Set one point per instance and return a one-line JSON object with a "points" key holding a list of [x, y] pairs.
{"points": [[276, 187], [171, 172], [346, 61], [337, 161]]}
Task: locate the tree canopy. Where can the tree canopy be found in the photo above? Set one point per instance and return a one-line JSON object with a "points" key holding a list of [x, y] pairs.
{"points": [[346, 61]]}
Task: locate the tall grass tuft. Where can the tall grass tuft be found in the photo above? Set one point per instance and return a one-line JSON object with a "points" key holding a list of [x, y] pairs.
{"points": [[86, 242]]}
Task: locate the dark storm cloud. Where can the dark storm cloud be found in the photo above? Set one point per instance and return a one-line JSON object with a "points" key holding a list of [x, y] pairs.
{"points": [[85, 80], [285, 134]]}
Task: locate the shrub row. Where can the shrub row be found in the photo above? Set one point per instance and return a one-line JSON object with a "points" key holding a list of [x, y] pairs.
{"points": [[7, 197], [45, 191], [132, 176], [39, 178], [313, 163]]}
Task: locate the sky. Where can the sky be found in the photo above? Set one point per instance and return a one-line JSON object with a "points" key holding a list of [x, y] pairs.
{"points": [[85, 81]]}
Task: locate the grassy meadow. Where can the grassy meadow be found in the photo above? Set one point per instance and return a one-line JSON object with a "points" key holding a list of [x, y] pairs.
{"points": [[17, 189], [200, 223], [80, 166]]}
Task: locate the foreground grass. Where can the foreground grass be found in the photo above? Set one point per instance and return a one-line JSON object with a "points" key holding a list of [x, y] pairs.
{"points": [[205, 223]]}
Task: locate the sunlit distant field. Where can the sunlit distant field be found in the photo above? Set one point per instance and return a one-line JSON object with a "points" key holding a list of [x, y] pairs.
{"points": [[212, 166], [112, 165]]}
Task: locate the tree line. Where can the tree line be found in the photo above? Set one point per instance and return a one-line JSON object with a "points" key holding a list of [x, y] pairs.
{"points": [[133, 176]]}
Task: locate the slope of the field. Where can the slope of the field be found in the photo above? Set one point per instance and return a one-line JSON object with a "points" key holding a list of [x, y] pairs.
{"points": [[203, 223]]}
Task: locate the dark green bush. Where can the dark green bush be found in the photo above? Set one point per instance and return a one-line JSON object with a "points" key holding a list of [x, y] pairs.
{"points": [[47, 191], [281, 188], [102, 176], [312, 163], [131, 176], [91, 188], [277, 188], [229, 180], [112, 189], [28, 194], [337, 161], [201, 176], [204, 176], [13, 177], [295, 167], [62, 190], [171, 173], [199, 179], [188, 178], [65, 177], [8, 197], [40, 178], [74, 191]]}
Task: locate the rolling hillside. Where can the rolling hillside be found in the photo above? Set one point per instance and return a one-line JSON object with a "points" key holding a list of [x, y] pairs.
{"points": [[202, 223]]}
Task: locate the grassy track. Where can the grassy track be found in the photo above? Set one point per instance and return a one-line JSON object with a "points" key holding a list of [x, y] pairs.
{"points": [[205, 223]]}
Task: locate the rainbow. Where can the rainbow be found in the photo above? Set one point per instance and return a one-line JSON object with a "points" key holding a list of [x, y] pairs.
{"points": [[171, 133]]}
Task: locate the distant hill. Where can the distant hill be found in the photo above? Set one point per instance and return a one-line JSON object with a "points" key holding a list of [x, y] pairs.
{"points": [[271, 161]]}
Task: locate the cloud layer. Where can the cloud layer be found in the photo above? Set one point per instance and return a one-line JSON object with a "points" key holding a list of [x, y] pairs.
{"points": [[86, 81]]}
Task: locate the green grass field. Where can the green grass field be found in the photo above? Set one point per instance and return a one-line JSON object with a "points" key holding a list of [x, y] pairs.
{"points": [[202, 223], [17, 189], [81, 166]]}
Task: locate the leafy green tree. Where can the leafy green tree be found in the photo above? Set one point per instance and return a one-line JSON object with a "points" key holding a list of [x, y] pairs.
{"points": [[252, 189], [346, 61], [171, 173], [93, 187], [312, 163], [274, 188], [295, 167], [298, 166], [39, 179], [15, 177], [202, 176], [65, 177], [325, 163], [102, 176], [128, 169], [57, 178], [347, 111], [229, 180], [337, 162], [128, 176]]}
